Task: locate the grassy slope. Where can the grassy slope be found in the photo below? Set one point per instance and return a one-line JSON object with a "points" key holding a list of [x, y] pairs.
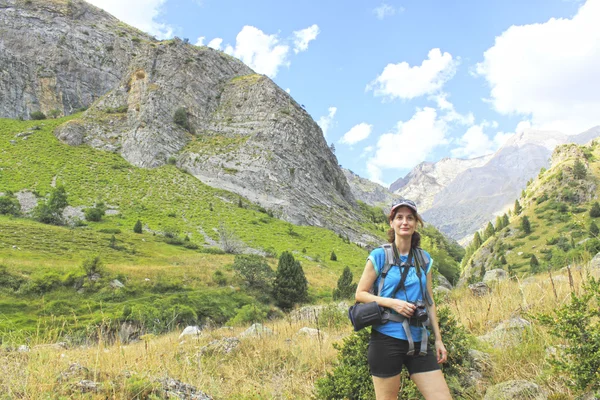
{"points": [[548, 221]]}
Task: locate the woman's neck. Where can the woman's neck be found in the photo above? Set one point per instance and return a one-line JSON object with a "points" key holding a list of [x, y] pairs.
{"points": [[403, 244]]}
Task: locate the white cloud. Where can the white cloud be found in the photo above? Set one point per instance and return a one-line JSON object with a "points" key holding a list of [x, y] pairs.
{"points": [[357, 133], [261, 52], [327, 120], [450, 114], [385, 10], [288, 90], [409, 145], [215, 43], [406, 82], [138, 13], [549, 72], [475, 143], [200, 41], [303, 37]]}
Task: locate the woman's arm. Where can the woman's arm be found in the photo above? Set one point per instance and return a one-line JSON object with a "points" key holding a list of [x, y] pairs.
{"points": [[442, 354], [363, 294]]}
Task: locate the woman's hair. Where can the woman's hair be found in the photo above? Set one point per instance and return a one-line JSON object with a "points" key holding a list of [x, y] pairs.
{"points": [[416, 236]]}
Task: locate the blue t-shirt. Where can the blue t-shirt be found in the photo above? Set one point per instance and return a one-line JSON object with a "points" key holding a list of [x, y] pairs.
{"points": [[412, 292]]}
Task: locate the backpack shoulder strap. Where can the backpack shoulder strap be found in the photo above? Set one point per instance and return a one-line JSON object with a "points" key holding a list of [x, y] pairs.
{"points": [[387, 264], [422, 261]]}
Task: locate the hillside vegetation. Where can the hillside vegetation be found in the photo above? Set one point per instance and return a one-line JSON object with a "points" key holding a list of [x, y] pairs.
{"points": [[178, 271], [552, 225]]}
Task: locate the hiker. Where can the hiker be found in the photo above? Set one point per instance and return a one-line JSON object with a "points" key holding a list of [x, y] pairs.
{"points": [[400, 341]]}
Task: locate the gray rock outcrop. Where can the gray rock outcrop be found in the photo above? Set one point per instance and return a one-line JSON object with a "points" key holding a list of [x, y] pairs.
{"points": [[508, 333], [494, 276], [515, 390]]}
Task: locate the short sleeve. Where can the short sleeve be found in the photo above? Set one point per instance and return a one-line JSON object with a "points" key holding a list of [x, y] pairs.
{"points": [[377, 258]]}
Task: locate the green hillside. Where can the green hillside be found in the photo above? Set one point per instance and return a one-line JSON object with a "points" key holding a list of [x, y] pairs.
{"points": [[550, 226], [175, 272]]}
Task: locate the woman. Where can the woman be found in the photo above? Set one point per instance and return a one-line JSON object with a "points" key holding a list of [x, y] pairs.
{"points": [[388, 345]]}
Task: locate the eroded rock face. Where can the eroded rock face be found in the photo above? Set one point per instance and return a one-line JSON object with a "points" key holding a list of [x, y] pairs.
{"points": [[243, 133]]}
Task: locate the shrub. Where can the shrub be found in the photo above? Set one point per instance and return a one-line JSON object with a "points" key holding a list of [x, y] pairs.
{"points": [[50, 211], [576, 323], [114, 231], [181, 118], [254, 270], [9, 205], [8, 280], [595, 210], [93, 266], [249, 314], [37, 115], [219, 278], [95, 213], [579, 171]]}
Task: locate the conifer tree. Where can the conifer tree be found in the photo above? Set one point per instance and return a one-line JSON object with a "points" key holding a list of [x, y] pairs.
{"points": [[137, 228], [476, 241], [502, 259], [525, 225], [579, 171], [595, 210], [498, 225], [594, 229], [333, 257], [518, 207], [534, 264], [489, 231], [291, 286], [505, 221], [345, 288]]}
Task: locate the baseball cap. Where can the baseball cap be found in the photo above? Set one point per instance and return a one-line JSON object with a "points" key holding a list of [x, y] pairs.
{"points": [[403, 202]]}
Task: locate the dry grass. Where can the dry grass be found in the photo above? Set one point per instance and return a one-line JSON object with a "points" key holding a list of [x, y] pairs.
{"points": [[286, 364]]}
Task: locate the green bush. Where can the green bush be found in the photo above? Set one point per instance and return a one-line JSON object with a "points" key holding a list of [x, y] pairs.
{"points": [[350, 378], [114, 231], [92, 266], [345, 288], [181, 118], [577, 323], [249, 314], [95, 213], [219, 278], [137, 228], [8, 280], [254, 270], [37, 115], [9, 205]]}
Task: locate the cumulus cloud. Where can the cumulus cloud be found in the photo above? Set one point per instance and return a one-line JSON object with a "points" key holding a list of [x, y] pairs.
{"points": [[475, 142], [409, 144], [141, 14], [549, 72], [263, 53], [200, 41], [450, 114], [406, 82], [215, 43], [357, 133], [327, 120], [303, 37], [385, 10]]}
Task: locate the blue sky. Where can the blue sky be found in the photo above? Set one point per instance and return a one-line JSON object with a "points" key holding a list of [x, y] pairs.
{"points": [[397, 82]]}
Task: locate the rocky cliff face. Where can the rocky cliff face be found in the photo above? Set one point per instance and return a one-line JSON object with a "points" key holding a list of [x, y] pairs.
{"points": [[241, 132], [369, 192]]}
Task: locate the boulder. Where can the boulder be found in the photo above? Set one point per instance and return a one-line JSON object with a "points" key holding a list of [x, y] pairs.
{"points": [[508, 333], [443, 282], [116, 284], [517, 390], [495, 275], [129, 332], [174, 389], [595, 263], [312, 332], [481, 362], [257, 330], [191, 331], [222, 346], [480, 289], [442, 292]]}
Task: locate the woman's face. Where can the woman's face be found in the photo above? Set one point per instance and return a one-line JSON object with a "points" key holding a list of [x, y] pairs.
{"points": [[404, 222]]}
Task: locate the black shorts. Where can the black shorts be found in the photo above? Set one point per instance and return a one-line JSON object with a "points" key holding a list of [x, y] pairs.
{"points": [[387, 355]]}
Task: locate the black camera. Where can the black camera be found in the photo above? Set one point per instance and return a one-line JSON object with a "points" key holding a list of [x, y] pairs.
{"points": [[420, 314]]}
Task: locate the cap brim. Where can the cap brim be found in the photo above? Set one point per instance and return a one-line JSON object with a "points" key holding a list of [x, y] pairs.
{"points": [[404, 205]]}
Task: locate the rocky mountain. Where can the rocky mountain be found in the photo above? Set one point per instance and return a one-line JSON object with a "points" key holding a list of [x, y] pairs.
{"points": [[157, 102], [368, 191], [477, 194], [428, 179]]}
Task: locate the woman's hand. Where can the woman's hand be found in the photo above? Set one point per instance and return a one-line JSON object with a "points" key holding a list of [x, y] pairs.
{"points": [[401, 307], [442, 353]]}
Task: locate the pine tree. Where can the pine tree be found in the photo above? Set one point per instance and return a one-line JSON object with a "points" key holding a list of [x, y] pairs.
{"points": [[525, 225], [489, 231], [291, 286], [595, 210], [594, 229], [579, 171], [518, 207], [333, 257], [498, 225], [476, 241], [345, 288], [137, 228], [505, 221], [535, 264], [502, 259]]}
